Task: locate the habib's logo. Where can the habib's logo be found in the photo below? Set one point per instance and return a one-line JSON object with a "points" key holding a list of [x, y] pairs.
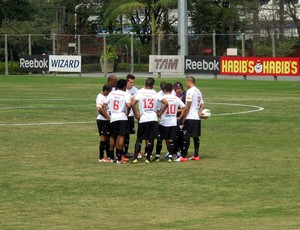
{"points": [[259, 66]]}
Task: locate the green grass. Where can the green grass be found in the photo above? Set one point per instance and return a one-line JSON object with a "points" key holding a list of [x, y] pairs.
{"points": [[248, 178]]}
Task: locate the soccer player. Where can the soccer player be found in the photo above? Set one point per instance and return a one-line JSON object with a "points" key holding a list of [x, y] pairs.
{"points": [[131, 90], [103, 125], [180, 93], [112, 81], [119, 105], [192, 123], [147, 116], [168, 121]]}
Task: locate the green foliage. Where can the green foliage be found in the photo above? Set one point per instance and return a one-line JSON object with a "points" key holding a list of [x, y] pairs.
{"points": [[111, 54], [13, 68], [264, 48]]}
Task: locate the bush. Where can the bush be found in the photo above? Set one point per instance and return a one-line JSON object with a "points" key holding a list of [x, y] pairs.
{"points": [[125, 67], [13, 68]]}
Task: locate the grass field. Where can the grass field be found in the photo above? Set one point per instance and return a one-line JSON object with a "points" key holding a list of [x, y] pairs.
{"points": [[248, 177]]}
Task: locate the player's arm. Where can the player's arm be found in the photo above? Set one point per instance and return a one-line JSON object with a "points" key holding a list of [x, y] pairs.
{"points": [[134, 110], [105, 113], [182, 113], [100, 110], [163, 108], [200, 110]]}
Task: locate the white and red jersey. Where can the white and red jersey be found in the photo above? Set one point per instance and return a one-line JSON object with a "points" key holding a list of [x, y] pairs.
{"points": [[148, 102], [194, 96], [160, 94], [99, 103], [131, 92], [168, 118], [116, 101]]}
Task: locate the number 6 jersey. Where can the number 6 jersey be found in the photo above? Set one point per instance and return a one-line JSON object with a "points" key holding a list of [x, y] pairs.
{"points": [[116, 101]]}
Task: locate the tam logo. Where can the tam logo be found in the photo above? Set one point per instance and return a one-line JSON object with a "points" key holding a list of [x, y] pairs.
{"points": [[167, 63]]}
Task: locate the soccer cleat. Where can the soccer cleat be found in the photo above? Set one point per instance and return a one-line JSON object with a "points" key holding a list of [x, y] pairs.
{"points": [[194, 158], [147, 161], [121, 162], [170, 160], [127, 155], [135, 161], [124, 158], [104, 160], [167, 155], [156, 159], [182, 159]]}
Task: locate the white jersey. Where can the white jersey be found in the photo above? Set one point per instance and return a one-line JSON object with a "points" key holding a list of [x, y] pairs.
{"points": [[131, 92], [160, 96], [116, 101], [194, 96], [168, 118], [99, 103], [148, 101]]}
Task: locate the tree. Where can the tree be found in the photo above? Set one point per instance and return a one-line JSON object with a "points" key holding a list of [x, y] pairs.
{"points": [[146, 16], [15, 10]]}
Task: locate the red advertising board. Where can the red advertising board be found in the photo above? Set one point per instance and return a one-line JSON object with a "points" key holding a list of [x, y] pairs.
{"points": [[260, 66]]}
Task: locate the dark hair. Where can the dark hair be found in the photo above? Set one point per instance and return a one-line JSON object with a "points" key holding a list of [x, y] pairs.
{"points": [[168, 87], [162, 85], [121, 84], [130, 76], [150, 82], [106, 87]]}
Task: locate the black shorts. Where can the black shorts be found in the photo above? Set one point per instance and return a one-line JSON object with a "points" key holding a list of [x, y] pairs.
{"points": [[118, 128], [148, 130], [131, 128], [103, 127], [192, 128], [168, 133]]}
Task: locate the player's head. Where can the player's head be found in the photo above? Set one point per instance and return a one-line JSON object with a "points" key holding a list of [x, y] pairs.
{"points": [[112, 80], [162, 85], [178, 87], [106, 89], [149, 83], [190, 81], [130, 81], [168, 88], [121, 84]]}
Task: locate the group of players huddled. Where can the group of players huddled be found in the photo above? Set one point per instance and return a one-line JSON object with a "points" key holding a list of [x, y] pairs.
{"points": [[171, 114]]}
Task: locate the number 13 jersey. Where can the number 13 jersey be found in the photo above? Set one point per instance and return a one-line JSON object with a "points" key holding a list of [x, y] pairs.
{"points": [[148, 101]]}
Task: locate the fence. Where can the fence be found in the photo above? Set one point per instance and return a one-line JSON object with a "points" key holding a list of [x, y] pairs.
{"points": [[133, 50]]}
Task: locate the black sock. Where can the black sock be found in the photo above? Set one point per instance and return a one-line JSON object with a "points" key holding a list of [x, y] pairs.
{"points": [[158, 146], [171, 149], [101, 149], [119, 154], [150, 147], [107, 148], [112, 154], [186, 145], [197, 146], [126, 143], [137, 149]]}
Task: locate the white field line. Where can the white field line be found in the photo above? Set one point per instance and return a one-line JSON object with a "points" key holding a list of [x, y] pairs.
{"points": [[49, 123], [42, 106], [256, 109]]}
